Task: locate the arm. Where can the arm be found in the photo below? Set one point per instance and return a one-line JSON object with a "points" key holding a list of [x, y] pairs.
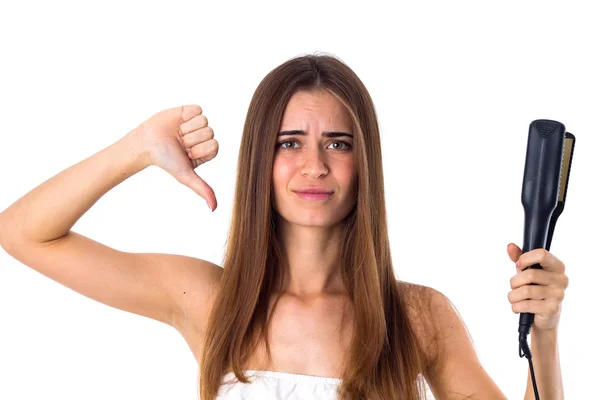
{"points": [[50, 210], [546, 365], [544, 299], [35, 230], [456, 372]]}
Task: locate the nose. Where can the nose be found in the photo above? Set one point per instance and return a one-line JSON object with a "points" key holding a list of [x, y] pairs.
{"points": [[314, 165]]}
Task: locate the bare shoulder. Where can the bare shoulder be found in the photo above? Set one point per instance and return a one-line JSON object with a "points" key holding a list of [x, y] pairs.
{"points": [[453, 365], [434, 319], [426, 304], [422, 303]]}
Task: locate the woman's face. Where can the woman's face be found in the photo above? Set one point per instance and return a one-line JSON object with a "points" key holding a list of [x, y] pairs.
{"points": [[320, 153]]}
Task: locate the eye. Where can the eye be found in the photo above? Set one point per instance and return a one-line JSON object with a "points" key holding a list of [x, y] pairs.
{"points": [[283, 143], [340, 143]]}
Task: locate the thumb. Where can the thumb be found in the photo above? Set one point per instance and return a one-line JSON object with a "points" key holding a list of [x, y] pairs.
{"points": [[514, 252], [189, 178]]}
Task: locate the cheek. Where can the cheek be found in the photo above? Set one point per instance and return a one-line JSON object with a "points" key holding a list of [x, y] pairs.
{"points": [[347, 173], [282, 171]]}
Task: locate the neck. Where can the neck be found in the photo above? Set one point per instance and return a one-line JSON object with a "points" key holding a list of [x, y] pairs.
{"points": [[311, 264]]}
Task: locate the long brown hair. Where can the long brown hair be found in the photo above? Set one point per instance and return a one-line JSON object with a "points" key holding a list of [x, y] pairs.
{"points": [[385, 360]]}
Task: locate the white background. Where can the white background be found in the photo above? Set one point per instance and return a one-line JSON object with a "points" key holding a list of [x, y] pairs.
{"points": [[455, 85]]}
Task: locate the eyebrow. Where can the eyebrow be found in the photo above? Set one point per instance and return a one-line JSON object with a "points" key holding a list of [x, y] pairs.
{"points": [[325, 133]]}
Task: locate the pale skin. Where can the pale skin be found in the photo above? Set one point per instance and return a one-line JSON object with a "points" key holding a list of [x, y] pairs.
{"points": [[311, 243], [178, 140], [311, 229]]}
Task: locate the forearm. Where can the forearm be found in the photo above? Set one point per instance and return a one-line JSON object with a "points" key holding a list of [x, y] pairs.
{"points": [[546, 366], [50, 210]]}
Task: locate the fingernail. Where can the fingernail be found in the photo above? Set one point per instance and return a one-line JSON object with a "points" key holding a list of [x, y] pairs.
{"points": [[518, 265], [208, 204]]}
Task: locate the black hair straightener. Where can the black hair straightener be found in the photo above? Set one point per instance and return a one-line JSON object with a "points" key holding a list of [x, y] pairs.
{"points": [[547, 167]]}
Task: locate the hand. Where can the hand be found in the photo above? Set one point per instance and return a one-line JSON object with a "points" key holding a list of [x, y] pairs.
{"points": [[544, 300], [178, 140]]}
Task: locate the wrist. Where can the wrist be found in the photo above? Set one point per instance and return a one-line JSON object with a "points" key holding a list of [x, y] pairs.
{"points": [[545, 332], [133, 145], [546, 338]]}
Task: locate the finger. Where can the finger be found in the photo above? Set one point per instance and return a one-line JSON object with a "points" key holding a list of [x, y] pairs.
{"points": [[539, 277], [533, 292], [543, 308], [514, 252], [197, 122], [543, 257], [204, 151], [189, 178], [190, 111], [193, 138]]}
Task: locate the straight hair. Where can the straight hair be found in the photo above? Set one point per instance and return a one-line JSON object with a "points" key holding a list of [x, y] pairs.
{"points": [[385, 359]]}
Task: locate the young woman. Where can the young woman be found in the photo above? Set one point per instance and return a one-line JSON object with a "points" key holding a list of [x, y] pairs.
{"points": [[307, 304]]}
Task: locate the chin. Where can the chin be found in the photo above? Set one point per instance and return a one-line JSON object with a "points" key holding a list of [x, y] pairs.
{"points": [[311, 218]]}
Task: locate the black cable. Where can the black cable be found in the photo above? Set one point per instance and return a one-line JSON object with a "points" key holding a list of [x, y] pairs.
{"points": [[525, 352]]}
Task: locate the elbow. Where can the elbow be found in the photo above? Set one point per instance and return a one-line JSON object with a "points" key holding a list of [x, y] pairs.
{"points": [[8, 236]]}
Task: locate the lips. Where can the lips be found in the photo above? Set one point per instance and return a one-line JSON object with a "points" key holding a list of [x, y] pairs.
{"points": [[313, 196], [314, 191]]}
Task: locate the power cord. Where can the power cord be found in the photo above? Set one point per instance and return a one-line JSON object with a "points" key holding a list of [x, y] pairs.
{"points": [[525, 352]]}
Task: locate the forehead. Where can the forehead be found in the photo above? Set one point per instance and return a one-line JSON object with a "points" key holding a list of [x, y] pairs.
{"points": [[319, 105]]}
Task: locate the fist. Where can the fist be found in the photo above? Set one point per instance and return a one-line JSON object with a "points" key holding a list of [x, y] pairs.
{"points": [[544, 299]]}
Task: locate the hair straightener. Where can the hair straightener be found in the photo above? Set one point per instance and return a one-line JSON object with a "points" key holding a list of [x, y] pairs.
{"points": [[544, 192]]}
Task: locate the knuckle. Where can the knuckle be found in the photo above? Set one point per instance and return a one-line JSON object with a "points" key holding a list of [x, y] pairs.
{"points": [[545, 254], [187, 140], [517, 283], [514, 308], [534, 256], [210, 132], [214, 147], [528, 276], [203, 120], [193, 109], [534, 275]]}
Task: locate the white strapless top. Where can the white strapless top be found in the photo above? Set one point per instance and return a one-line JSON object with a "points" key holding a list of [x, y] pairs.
{"points": [[271, 385]]}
